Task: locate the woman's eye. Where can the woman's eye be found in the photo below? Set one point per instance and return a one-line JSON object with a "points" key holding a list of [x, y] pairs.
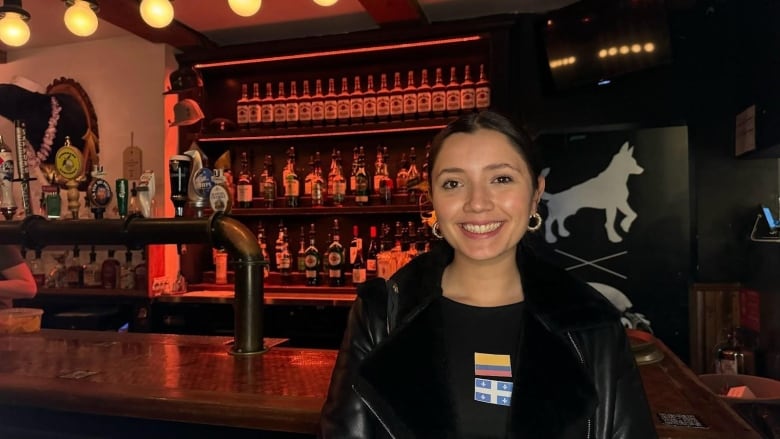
{"points": [[503, 179], [449, 184]]}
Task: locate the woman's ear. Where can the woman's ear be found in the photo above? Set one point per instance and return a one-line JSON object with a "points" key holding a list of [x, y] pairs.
{"points": [[539, 189]]}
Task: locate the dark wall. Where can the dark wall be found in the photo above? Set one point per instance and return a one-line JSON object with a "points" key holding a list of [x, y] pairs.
{"points": [[722, 53]]}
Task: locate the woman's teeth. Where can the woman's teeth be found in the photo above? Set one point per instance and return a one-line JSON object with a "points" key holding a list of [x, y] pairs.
{"points": [[480, 228]]}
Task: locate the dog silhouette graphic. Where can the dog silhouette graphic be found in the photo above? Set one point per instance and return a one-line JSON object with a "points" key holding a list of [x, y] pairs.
{"points": [[608, 191]]}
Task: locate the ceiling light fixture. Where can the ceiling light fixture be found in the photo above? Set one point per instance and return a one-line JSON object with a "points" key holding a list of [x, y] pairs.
{"points": [[80, 17], [157, 13], [13, 27], [245, 8], [326, 3]]}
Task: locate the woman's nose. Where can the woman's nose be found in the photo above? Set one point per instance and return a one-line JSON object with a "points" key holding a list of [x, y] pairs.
{"points": [[479, 199]]}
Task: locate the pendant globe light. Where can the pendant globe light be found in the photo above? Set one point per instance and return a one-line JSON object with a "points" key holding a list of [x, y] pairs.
{"points": [[326, 2], [157, 13], [13, 23], [245, 8], [80, 17]]}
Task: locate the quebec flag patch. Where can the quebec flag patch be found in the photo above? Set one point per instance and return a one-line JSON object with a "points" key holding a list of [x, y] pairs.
{"points": [[492, 391]]}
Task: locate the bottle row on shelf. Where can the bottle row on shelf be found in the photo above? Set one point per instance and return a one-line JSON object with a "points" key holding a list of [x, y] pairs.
{"points": [[331, 263], [334, 187], [357, 105]]}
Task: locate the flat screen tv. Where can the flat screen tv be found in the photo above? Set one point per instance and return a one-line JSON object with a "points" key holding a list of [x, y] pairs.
{"points": [[595, 42]]}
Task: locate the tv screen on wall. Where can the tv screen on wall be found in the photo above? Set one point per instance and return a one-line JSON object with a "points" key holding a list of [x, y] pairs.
{"points": [[596, 42]]}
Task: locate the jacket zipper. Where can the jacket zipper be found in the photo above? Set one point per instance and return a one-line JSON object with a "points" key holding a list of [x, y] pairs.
{"points": [[582, 362]]}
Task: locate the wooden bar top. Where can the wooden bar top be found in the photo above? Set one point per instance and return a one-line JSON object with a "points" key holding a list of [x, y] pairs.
{"points": [[193, 379], [189, 379]]}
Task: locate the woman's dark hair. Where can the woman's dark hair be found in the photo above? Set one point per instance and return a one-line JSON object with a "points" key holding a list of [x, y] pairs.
{"points": [[489, 120]]}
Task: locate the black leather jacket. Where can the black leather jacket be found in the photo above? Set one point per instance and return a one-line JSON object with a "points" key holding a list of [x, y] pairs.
{"points": [[576, 378]]}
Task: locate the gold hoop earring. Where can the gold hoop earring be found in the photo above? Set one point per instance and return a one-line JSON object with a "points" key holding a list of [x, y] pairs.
{"points": [[435, 229], [538, 225]]}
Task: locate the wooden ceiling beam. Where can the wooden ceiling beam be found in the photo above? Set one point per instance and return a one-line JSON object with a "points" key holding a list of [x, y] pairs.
{"points": [[125, 14], [390, 13]]}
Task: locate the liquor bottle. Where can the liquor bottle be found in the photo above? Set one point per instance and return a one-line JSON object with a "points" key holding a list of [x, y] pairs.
{"points": [[426, 163], [361, 181], [482, 90], [453, 93], [383, 100], [378, 166], [279, 246], [38, 271], [92, 277], [307, 182], [356, 103], [285, 269], [339, 182], [293, 106], [402, 175], [343, 103], [413, 178], [359, 268], [331, 176], [369, 101], [267, 107], [264, 250], [312, 260], [424, 96], [255, 107], [142, 273], [373, 250], [355, 244], [269, 182], [127, 273], [110, 271], [410, 97], [74, 273], [396, 98], [242, 108], [220, 195], [331, 104], [292, 189], [301, 257], [318, 105], [467, 92], [304, 106], [244, 184], [280, 107], [353, 171], [438, 95], [335, 258], [318, 188], [133, 205], [383, 184]]}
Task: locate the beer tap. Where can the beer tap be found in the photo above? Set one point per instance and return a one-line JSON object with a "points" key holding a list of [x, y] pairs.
{"points": [[7, 203], [22, 166]]}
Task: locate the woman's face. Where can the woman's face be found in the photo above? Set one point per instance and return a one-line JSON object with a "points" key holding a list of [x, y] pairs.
{"points": [[483, 194]]}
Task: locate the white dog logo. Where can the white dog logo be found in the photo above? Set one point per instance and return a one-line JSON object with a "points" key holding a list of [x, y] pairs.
{"points": [[606, 191]]}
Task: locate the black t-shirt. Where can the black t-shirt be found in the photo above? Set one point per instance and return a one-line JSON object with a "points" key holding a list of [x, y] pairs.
{"points": [[482, 345]]}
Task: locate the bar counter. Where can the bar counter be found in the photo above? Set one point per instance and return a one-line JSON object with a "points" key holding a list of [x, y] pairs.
{"points": [[193, 380]]}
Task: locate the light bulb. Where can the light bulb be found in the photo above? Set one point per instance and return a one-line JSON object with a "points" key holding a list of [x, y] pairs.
{"points": [[80, 19], [157, 13], [13, 30], [326, 2], [245, 8]]}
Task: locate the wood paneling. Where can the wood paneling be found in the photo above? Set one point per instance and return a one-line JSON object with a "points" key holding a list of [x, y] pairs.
{"points": [[714, 308]]}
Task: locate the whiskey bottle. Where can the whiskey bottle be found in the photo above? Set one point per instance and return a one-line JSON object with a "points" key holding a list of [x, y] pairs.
{"points": [[369, 101], [438, 95], [292, 186], [91, 274], [269, 182], [331, 176], [318, 105], [482, 90], [267, 107], [74, 273], [244, 184], [383, 100], [264, 250], [344, 103], [361, 182], [453, 93], [304, 106], [312, 260], [242, 108], [410, 97], [301, 256], [285, 269], [293, 106], [402, 175], [335, 258], [110, 271], [255, 107], [377, 170], [396, 98], [356, 103], [279, 246], [339, 182], [426, 163], [127, 273], [424, 96], [373, 250], [280, 107], [353, 171], [355, 245], [307, 182], [318, 188], [359, 267], [467, 92], [413, 178], [331, 104]]}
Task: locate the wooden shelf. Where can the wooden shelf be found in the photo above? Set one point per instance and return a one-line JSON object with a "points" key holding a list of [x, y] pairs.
{"points": [[324, 211], [325, 131]]}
